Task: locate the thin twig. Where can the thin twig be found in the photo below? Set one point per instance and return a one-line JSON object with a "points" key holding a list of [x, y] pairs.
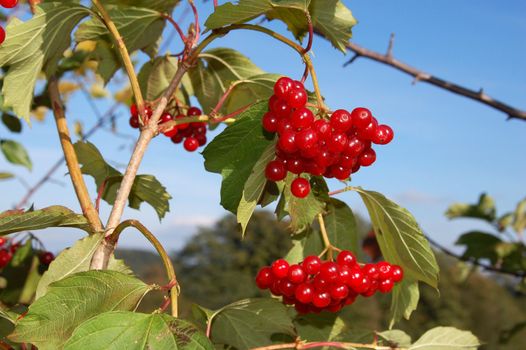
{"points": [[418, 75], [71, 159], [340, 345]]}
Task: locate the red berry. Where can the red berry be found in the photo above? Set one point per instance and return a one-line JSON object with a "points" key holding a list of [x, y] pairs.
{"points": [[134, 122], [345, 274], [270, 122], [14, 247], [329, 271], [337, 142], [301, 308], [275, 171], [385, 286], [341, 120], [295, 166], [383, 135], [165, 118], [346, 258], [306, 139], [323, 128], [339, 291], [288, 300], [367, 158], [340, 172], [283, 87], [287, 288], [46, 258], [384, 270], [301, 118], [287, 142], [178, 138], [334, 308], [280, 268], [5, 258], [373, 287], [182, 126], [134, 111], [300, 187], [281, 109], [354, 147], [201, 139], [348, 161], [297, 98], [191, 144], [361, 117], [264, 278], [275, 287], [369, 132], [321, 284], [311, 264], [3, 241], [171, 132], [397, 274], [296, 274], [304, 293], [359, 282], [371, 271], [194, 112], [8, 3], [321, 300]]}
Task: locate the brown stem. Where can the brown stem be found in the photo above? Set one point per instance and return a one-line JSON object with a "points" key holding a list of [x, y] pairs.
{"points": [[71, 158], [339, 345], [419, 75], [125, 56]]}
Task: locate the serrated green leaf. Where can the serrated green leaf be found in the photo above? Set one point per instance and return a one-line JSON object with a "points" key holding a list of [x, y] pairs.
{"points": [[341, 225], [15, 153], [155, 76], [140, 29], [401, 240], [404, 300], [54, 216], [215, 71], [446, 338], [76, 259], [6, 176], [250, 323], [396, 338], [146, 188], [254, 187], [69, 302], [235, 152], [484, 209], [33, 46], [11, 122], [137, 331], [302, 211]]}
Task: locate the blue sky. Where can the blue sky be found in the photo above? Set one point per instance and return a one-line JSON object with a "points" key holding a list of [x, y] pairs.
{"points": [[447, 148]]}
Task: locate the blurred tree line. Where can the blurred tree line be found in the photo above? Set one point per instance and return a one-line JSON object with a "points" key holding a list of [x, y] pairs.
{"points": [[217, 267]]}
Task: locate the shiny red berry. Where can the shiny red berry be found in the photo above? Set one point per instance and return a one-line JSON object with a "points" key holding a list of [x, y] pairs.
{"points": [[8, 3], [287, 288], [270, 122], [287, 142], [397, 274], [301, 118], [323, 128], [191, 144], [46, 258], [3, 241], [134, 122], [280, 268], [383, 135], [264, 278], [340, 172], [134, 111], [367, 158], [194, 112], [385, 286], [178, 138], [384, 270], [339, 291], [275, 170], [295, 166], [346, 258], [306, 139], [300, 187], [296, 274], [304, 293], [369, 132], [201, 139], [321, 300], [311, 264], [341, 120], [337, 142], [283, 87], [354, 147], [361, 117], [297, 98], [329, 271], [281, 108]]}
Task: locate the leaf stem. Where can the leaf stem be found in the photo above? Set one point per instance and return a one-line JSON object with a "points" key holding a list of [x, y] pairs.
{"points": [[126, 59], [71, 158], [170, 271]]}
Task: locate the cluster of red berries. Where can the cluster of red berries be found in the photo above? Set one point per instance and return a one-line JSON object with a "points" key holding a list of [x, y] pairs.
{"points": [[334, 148], [8, 4], [315, 285], [9, 248], [193, 134]]}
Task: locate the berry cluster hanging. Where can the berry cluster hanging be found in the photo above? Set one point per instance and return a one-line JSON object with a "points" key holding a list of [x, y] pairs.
{"points": [[8, 4], [334, 148], [193, 134], [8, 248], [315, 285]]}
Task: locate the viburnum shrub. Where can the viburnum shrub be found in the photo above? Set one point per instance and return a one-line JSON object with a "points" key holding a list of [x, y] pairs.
{"points": [[276, 143]]}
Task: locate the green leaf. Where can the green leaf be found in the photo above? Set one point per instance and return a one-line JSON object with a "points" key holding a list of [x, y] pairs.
{"points": [[215, 71], [504, 221], [6, 176], [341, 225], [22, 253], [480, 245], [519, 222], [401, 240], [446, 338], [159, 5], [331, 18], [320, 327], [11, 122], [137, 331], [54, 216], [76, 259], [252, 89], [395, 338], [302, 211], [254, 187], [140, 28], [15, 153], [7, 323], [484, 209], [235, 152], [250, 323], [51, 319], [146, 188], [21, 281], [33, 46], [306, 243], [155, 76], [404, 300]]}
